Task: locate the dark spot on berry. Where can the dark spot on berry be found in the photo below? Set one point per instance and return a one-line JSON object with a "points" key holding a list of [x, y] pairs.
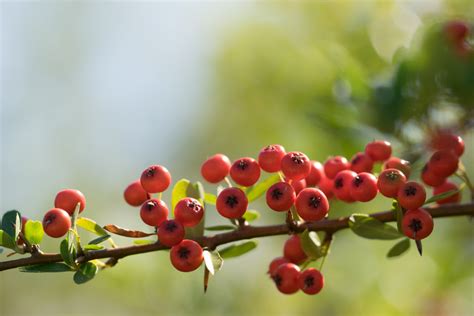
{"points": [[410, 191], [309, 281], [194, 206], [150, 172], [298, 159], [183, 253], [392, 175], [358, 181], [242, 165], [50, 219], [150, 205], [356, 159], [171, 226], [314, 201], [276, 194], [270, 148], [277, 279], [415, 225], [232, 201], [339, 183]]}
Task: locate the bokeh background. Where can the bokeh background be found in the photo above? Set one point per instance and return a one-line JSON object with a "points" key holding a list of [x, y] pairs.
{"points": [[94, 92]]}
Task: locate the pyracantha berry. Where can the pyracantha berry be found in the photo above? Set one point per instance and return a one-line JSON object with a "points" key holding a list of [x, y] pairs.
{"points": [[280, 196], [445, 187], [68, 199], [390, 181], [134, 194], [400, 164], [170, 233], [155, 179], [326, 185], [363, 187], [189, 212], [297, 185], [270, 157], [334, 165], [275, 264], [443, 163], [429, 178], [316, 174], [379, 150], [154, 212], [444, 140], [286, 278], [411, 195], [417, 224], [361, 162], [342, 185], [311, 204], [245, 171], [215, 168], [56, 222], [292, 250], [311, 281], [295, 166], [186, 256], [232, 203]]}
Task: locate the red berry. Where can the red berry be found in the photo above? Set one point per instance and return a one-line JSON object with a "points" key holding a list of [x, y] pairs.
{"points": [[232, 203], [311, 281], [400, 164], [364, 187], [295, 165], [342, 185], [316, 174], [154, 212], [188, 212], [361, 162], [311, 204], [286, 278], [134, 194], [292, 250], [155, 179], [297, 185], [280, 196], [245, 171], [429, 178], [378, 150], [446, 140], [456, 31], [390, 181], [445, 187], [68, 200], [417, 224], [275, 264], [170, 233], [333, 165], [411, 195], [443, 163], [270, 157], [215, 168], [326, 185], [186, 256], [56, 223]]}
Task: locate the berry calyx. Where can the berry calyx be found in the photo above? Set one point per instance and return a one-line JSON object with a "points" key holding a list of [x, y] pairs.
{"points": [[379, 150], [245, 171], [275, 264], [280, 196], [286, 278], [411, 195], [186, 256], [189, 212], [292, 250], [232, 203], [312, 204], [445, 187], [311, 281], [417, 224], [390, 181], [334, 165], [342, 185], [155, 179], [68, 199], [170, 233], [363, 187], [316, 174], [154, 212], [295, 166], [215, 168], [134, 194], [429, 178], [270, 157], [361, 162], [400, 164], [443, 163], [56, 222]]}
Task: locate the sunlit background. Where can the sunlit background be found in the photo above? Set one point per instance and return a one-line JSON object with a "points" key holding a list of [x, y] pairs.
{"points": [[94, 92]]}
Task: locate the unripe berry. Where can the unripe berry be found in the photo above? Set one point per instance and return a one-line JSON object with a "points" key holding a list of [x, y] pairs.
{"points": [[361, 162], [443, 163], [155, 179], [297, 185], [311, 281], [270, 157], [170, 233], [186, 256], [154, 212], [342, 185], [364, 187], [56, 222], [232, 203], [215, 168], [311, 204], [295, 166], [189, 212], [390, 181], [334, 165], [417, 224], [446, 140], [399, 164], [326, 185], [245, 171], [275, 264], [134, 194], [286, 278], [379, 150], [445, 187], [429, 178], [280, 196], [411, 195], [68, 199], [316, 174], [292, 250]]}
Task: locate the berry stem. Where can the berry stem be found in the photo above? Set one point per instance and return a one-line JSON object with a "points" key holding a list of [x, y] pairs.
{"points": [[227, 181]]}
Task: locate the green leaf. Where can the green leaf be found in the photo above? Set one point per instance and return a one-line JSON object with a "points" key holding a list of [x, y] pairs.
{"points": [[11, 223], [6, 240], [34, 232], [68, 252], [441, 196], [179, 192], [398, 214], [210, 198], [371, 228], [251, 215], [237, 250], [258, 190], [311, 244], [98, 240], [46, 267], [213, 261], [399, 248], [220, 227], [91, 226], [92, 247], [143, 242], [86, 272]]}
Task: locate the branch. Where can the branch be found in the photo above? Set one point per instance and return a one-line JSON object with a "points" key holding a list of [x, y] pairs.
{"points": [[246, 232]]}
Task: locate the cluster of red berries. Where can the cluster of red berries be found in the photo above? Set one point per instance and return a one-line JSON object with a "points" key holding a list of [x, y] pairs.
{"points": [[57, 221], [186, 255]]}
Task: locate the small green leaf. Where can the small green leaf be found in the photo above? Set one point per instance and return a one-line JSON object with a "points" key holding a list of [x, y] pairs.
{"points": [[46, 267], [258, 190], [213, 261], [220, 227], [98, 240], [143, 242], [179, 192], [10, 222], [251, 215], [68, 252], [398, 214], [442, 196], [91, 226], [371, 228], [237, 250], [86, 272], [210, 198], [399, 248], [6, 240], [92, 247], [311, 244], [34, 232]]}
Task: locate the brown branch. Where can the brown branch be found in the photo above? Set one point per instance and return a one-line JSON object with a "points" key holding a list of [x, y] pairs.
{"points": [[329, 226]]}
